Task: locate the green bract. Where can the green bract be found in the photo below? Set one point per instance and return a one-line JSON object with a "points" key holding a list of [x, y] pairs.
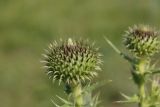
{"points": [[142, 41], [72, 61]]}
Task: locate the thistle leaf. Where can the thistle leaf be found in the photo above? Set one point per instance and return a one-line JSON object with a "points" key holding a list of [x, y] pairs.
{"points": [[128, 58], [156, 71], [90, 88], [95, 100], [55, 103], [63, 100], [133, 99]]}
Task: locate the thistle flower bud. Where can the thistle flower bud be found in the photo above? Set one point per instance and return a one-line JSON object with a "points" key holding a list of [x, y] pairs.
{"points": [[142, 41], [72, 61]]}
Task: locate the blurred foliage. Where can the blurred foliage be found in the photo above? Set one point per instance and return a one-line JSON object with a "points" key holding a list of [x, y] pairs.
{"points": [[27, 26]]}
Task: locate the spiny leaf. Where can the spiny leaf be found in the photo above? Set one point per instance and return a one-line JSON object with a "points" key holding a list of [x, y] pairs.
{"points": [[125, 96], [95, 100], [92, 87], [156, 71], [128, 58], [55, 103], [63, 100], [133, 99]]}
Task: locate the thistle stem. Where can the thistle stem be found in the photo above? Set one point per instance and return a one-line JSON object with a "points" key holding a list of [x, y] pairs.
{"points": [[141, 85], [142, 95], [77, 95]]}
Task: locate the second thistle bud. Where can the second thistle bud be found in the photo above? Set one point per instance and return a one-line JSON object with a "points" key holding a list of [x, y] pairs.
{"points": [[142, 41]]}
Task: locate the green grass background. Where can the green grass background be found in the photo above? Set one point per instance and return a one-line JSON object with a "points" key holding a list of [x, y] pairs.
{"points": [[27, 26]]}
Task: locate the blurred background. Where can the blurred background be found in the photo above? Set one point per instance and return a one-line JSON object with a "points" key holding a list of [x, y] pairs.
{"points": [[28, 26]]}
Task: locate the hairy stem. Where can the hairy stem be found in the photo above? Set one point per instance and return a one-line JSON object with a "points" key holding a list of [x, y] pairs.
{"points": [[77, 95], [142, 94]]}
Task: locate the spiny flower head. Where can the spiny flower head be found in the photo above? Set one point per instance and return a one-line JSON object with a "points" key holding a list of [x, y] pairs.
{"points": [[72, 61], [142, 40]]}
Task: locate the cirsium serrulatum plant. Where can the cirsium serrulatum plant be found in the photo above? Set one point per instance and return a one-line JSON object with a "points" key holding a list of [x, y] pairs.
{"points": [[143, 42], [75, 64]]}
